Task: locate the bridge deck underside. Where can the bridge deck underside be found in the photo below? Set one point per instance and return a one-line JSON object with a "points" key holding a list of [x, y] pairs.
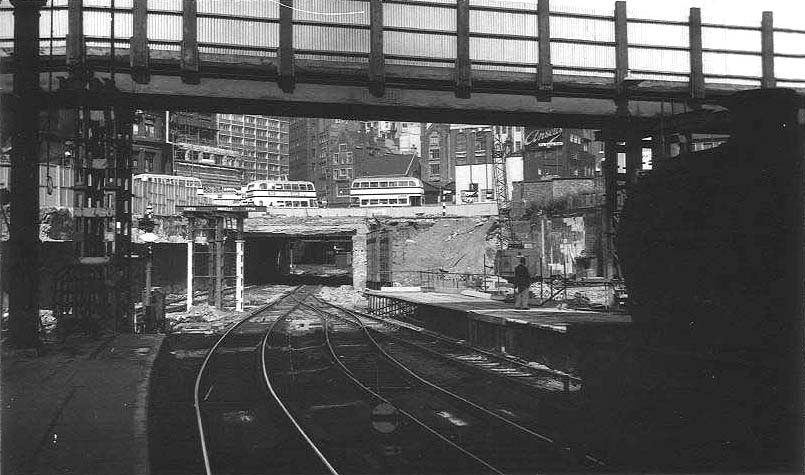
{"points": [[247, 84]]}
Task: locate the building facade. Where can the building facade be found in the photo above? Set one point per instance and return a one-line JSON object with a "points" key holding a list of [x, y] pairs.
{"points": [[150, 152], [558, 152], [192, 128], [218, 169], [332, 152], [262, 141]]}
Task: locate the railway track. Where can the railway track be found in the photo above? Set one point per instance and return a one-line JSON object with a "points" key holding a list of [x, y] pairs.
{"points": [[301, 386], [500, 441]]}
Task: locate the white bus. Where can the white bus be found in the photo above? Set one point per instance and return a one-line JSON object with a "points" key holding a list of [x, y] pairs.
{"points": [[386, 191], [281, 194]]}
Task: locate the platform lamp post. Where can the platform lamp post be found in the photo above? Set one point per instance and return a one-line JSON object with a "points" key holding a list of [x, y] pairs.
{"points": [[147, 224]]}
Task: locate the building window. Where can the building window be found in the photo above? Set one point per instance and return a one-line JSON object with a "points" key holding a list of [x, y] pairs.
{"points": [[434, 169], [149, 161], [480, 142], [342, 147]]}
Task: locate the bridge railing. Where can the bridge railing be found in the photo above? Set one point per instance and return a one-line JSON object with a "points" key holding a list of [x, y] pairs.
{"points": [[467, 36]]}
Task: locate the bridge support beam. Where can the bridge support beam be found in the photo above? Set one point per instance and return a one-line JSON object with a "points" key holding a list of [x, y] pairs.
{"points": [[24, 242], [377, 59], [696, 59], [544, 67], [463, 73]]}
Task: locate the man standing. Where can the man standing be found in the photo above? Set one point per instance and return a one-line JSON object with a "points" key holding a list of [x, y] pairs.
{"points": [[522, 285]]}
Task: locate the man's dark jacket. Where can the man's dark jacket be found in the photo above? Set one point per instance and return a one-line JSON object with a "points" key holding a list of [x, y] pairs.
{"points": [[521, 278]]}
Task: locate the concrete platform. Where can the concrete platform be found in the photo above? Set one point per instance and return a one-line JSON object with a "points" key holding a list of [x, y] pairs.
{"points": [[495, 311], [559, 339], [79, 408]]}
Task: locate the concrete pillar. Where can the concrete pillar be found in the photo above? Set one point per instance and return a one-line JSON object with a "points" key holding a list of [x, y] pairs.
{"points": [[359, 262], [189, 271], [239, 275], [24, 243]]}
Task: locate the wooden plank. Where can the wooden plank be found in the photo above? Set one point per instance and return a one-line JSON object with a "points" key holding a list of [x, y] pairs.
{"points": [[189, 64], [696, 62], [140, 70], [544, 67], [377, 60], [463, 78], [767, 50], [621, 46], [286, 78]]}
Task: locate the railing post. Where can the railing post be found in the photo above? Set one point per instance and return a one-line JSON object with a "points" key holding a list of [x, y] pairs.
{"points": [[767, 50], [621, 47], [544, 67], [189, 65], [140, 71], [76, 47], [377, 60], [463, 73], [696, 80], [286, 79]]}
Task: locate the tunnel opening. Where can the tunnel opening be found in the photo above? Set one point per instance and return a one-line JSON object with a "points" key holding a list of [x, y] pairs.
{"points": [[281, 259]]}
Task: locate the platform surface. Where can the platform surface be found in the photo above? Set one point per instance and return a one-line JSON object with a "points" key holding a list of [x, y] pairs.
{"points": [[81, 407], [501, 312]]}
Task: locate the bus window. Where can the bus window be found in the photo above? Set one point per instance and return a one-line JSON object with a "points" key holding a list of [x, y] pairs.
{"points": [[288, 204], [384, 201], [373, 202], [365, 184], [392, 201], [263, 186], [404, 201], [303, 204], [372, 184], [356, 185], [411, 183], [313, 204], [295, 187], [384, 184]]}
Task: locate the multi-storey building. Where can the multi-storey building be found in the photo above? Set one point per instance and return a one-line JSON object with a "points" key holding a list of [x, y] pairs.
{"points": [[303, 162], [557, 152], [332, 152], [218, 169], [261, 140], [149, 149], [193, 128], [446, 146], [398, 137]]}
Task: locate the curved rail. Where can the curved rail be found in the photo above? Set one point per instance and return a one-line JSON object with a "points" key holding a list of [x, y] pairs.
{"points": [[282, 405], [407, 414], [208, 356], [357, 321]]}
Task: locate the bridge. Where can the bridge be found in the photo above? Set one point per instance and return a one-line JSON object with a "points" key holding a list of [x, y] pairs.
{"points": [[441, 60]]}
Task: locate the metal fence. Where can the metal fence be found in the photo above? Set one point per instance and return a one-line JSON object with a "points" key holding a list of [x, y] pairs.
{"points": [[503, 36]]}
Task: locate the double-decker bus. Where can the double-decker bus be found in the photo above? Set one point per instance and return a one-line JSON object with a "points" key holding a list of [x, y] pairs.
{"points": [[386, 191], [281, 194]]}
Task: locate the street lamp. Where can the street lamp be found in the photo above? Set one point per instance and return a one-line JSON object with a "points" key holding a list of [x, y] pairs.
{"points": [[147, 225]]}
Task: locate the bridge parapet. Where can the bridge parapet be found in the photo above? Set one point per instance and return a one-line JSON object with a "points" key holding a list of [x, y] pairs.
{"points": [[466, 47]]}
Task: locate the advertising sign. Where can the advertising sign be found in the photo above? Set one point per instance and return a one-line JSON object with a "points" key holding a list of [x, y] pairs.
{"points": [[542, 138]]}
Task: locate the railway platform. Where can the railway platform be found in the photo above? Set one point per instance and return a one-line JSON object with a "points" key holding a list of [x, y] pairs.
{"points": [[79, 407], [557, 338]]}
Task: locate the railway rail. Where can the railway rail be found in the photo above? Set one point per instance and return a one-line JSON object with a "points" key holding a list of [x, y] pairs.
{"points": [[511, 388], [299, 386]]}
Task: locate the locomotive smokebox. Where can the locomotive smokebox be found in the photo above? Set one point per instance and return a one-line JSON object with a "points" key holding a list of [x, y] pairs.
{"points": [[710, 242]]}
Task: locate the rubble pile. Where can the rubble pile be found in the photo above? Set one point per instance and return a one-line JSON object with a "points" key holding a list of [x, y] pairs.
{"points": [[344, 296], [201, 318]]}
